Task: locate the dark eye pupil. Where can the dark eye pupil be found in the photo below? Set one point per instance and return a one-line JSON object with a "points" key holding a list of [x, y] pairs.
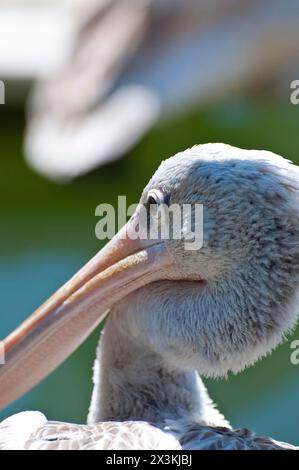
{"points": [[151, 200]]}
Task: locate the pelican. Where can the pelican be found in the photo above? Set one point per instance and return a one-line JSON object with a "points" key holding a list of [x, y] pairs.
{"points": [[174, 313], [130, 63]]}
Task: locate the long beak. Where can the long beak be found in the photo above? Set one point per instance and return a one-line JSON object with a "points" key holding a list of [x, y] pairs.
{"points": [[61, 324]]}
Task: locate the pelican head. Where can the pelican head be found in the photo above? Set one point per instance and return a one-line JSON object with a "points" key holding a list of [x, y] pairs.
{"points": [[217, 308], [246, 296]]}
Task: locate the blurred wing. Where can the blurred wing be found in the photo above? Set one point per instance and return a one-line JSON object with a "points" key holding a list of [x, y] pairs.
{"points": [[64, 149], [177, 52], [72, 128], [91, 112]]}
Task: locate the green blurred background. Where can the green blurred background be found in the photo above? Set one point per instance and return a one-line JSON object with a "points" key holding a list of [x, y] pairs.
{"points": [[47, 233]]}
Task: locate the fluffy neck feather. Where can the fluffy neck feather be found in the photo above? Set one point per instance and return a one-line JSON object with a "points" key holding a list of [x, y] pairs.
{"points": [[132, 382]]}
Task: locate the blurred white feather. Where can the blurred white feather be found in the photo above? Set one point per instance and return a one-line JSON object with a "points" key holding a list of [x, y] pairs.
{"points": [[124, 63]]}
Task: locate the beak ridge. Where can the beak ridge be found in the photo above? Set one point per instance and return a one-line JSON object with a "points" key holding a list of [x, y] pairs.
{"points": [[62, 323]]}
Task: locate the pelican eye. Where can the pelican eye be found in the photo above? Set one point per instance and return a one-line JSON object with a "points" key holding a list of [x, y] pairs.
{"points": [[155, 202], [156, 197]]}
